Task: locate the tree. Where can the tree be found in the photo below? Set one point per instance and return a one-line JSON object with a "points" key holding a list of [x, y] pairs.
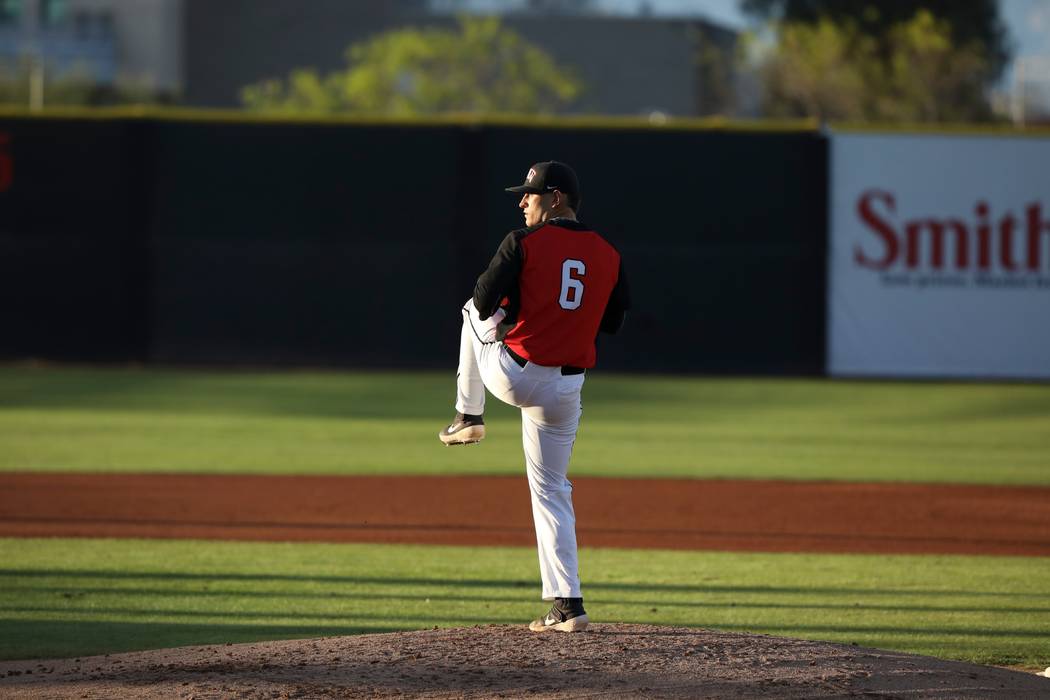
{"points": [[930, 80], [715, 66], [816, 71], [480, 68], [969, 20], [913, 72]]}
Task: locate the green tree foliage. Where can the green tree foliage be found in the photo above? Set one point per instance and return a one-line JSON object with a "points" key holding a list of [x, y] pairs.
{"points": [[479, 68], [970, 21], [913, 72]]}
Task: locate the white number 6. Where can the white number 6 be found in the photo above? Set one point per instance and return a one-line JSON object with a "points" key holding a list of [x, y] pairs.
{"points": [[571, 287]]}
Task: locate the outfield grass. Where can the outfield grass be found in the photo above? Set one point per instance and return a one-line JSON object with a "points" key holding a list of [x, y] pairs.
{"points": [[80, 419], [78, 597]]}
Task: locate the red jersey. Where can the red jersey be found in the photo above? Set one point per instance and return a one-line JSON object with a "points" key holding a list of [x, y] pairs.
{"points": [[562, 283]]}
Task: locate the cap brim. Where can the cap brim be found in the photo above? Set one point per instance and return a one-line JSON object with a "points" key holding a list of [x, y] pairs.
{"points": [[524, 189]]}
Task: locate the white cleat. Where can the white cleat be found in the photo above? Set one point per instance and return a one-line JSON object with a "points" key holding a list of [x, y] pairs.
{"points": [[463, 432], [559, 620]]}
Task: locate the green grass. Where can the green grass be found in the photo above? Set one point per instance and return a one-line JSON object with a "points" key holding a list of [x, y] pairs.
{"points": [[78, 597], [83, 419]]}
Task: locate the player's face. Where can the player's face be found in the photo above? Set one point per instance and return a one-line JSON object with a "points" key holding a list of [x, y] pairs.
{"points": [[536, 207]]}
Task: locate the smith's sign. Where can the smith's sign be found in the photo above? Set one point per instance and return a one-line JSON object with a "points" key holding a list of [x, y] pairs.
{"points": [[1004, 242], [939, 256]]}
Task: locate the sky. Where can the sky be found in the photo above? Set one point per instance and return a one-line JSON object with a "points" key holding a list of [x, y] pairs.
{"points": [[1029, 24]]}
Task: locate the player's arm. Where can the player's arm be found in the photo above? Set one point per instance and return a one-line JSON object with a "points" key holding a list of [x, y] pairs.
{"points": [[500, 278], [619, 303]]}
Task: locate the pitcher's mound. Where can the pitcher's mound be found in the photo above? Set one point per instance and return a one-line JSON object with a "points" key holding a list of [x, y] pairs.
{"points": [[608, 660]]}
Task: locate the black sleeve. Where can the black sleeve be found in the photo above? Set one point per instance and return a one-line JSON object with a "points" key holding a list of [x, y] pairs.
{"points": [[501, 277], [619, 303]]}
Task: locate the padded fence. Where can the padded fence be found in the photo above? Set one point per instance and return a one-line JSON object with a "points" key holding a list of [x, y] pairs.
{"points": [[226, 242]]}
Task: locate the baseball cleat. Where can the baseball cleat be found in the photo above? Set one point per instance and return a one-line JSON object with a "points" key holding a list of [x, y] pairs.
{"points": [[566, 615], [465, 430]]}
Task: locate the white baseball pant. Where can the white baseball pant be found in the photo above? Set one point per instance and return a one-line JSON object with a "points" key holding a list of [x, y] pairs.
{"points": [[550, 416]]}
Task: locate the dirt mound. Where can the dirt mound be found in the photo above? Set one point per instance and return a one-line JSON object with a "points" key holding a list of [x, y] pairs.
{"points": [[609, 660]]}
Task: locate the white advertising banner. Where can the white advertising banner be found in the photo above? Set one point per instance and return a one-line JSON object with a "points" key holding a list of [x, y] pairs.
{"points": [[939, 256]]}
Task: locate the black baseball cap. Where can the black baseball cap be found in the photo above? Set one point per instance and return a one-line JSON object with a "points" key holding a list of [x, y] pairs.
{"points": [[548, 176]]}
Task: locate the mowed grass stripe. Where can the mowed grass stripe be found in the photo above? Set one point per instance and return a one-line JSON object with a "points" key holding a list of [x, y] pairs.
{"points": [[84, 419], [63, 597]]}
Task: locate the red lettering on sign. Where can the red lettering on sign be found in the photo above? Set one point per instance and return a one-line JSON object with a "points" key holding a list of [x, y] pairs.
{"points": [[937, 230], [1036, 227], [880, 228], [973, 245], [984, 237], [1006, 242]]}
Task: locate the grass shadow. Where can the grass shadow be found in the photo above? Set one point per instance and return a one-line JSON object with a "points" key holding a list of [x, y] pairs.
{"points": [[32, 639], [76, 592], [492, 583]]}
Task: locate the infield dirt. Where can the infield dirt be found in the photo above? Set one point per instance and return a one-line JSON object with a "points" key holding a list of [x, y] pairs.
{"points": [[609, 660], [637, 513]]}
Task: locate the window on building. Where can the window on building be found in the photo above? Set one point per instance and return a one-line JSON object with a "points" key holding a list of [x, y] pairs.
{"points": [[53, 12], [10, 11]]}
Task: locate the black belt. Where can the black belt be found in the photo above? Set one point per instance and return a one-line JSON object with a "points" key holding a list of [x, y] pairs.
{"points": [[565, 370]]}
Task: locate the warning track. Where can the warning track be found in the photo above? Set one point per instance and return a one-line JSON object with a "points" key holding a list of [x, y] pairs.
{"points": [[666, 513]]}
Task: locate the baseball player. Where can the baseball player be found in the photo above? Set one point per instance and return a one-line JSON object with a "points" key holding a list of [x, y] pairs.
{"points": [[528, 337]]}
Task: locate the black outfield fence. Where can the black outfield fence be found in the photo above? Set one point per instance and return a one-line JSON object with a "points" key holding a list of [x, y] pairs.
{"points": [[181, 240]]}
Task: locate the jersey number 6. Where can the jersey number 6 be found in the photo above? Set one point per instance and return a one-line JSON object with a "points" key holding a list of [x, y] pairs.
{"points": [[571, 284]]}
